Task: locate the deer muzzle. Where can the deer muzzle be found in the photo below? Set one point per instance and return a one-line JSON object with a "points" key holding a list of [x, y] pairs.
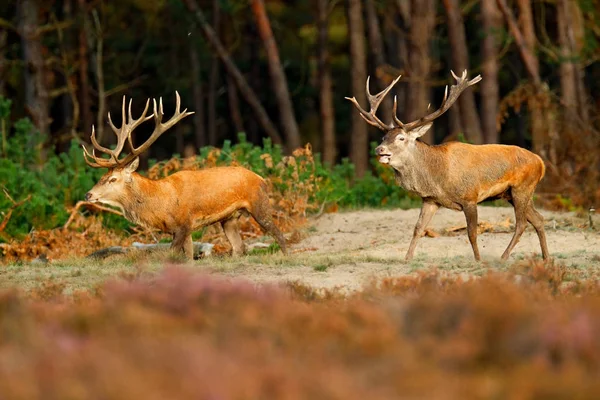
{"points": [[383, 153]]}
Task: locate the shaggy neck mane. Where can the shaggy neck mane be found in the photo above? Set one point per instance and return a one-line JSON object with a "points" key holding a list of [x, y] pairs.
{"points": [[135, 197]]}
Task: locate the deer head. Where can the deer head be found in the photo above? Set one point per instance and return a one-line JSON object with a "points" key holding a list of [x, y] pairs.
{"points": [[113, 186], [399, 140]]}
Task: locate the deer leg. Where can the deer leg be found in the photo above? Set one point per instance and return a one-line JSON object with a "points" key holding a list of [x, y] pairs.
{"points": [[232, 231], [521, 204], [428, 210], [262, 214], [470, 211], [537, 221], [182, 242]]}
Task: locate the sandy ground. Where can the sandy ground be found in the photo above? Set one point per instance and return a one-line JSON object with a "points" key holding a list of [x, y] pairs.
{"points": [[350, 249]]}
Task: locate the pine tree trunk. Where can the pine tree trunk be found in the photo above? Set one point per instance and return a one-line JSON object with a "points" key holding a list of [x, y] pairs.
{"points": [[329, 147], [85, 105], [378, 53], [418, 92], [573, 93], [280, 87], [460, 62], [37, 100], [234, 106], [538, 131], [492, 24], [196, 71], [213, 81], [359, 138], [3, 63]]}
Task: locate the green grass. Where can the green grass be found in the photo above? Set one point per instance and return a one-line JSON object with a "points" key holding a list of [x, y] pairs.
{"points": [[88, 274]]}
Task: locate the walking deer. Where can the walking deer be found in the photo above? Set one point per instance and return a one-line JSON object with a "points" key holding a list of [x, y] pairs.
{"points": [[183, 202], [457, 175]]}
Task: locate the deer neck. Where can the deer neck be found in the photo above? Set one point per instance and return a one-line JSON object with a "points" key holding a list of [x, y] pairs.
{"points": [[417, 171], [137, 202]]}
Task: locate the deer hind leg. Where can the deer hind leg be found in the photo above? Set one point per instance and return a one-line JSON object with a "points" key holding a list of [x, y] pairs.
{"points": [[537, 221], [470, 211], [261, 211], [182, 242], [231, 228], [428, 210], [521, 202]]}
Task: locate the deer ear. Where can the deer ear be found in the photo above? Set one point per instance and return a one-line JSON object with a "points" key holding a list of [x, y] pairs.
{"points": [[420, 131], [132, 166]]}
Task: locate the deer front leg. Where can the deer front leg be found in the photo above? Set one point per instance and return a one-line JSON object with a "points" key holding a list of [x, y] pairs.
{"points": [[470, 211], [428, 210], [182, 242]]}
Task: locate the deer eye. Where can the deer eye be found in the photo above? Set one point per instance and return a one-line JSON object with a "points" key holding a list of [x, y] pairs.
{"points": [[112, 180], [401, 138]]}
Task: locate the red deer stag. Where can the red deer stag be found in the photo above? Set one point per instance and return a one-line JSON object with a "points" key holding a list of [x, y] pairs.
{"points": [[183, 202], [457, 175]]}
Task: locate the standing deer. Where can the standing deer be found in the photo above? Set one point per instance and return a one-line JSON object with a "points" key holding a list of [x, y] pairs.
{"points": [[457, 175], [183, 202]]}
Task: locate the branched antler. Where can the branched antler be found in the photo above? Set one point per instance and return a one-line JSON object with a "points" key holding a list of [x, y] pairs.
{"points": [[449, 98], [124, 134]]}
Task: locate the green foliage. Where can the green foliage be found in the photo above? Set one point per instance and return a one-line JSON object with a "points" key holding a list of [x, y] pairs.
{"points": [[59, 182]]}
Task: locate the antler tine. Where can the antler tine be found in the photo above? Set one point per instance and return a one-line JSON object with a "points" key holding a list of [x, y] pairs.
{"points": [[137, 122], [374, 102], [98, 162], [397, 121], [449, 98]]}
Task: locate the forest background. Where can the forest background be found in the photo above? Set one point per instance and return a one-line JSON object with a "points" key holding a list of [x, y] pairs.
{"points": [[280, 70]]}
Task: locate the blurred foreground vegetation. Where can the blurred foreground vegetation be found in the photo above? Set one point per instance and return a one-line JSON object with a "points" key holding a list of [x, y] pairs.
{"points": [[531, 332]]}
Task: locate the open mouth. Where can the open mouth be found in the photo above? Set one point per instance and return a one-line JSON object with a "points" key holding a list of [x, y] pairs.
{"points": [[384, 158]]}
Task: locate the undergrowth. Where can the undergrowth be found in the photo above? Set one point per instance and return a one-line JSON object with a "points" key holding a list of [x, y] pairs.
{"points": [[524, 334]]}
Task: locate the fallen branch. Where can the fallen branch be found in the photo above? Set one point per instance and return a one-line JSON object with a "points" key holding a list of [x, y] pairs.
{"points": [[200, 248], [88, 204], [11, 209]]}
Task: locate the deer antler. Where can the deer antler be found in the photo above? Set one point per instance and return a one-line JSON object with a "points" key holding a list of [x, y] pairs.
{"points": [[374, 102], [124, 133], [449, 98]]}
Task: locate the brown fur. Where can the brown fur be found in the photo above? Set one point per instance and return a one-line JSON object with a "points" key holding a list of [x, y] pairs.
{"points": [[188, 200], [459, 176]]}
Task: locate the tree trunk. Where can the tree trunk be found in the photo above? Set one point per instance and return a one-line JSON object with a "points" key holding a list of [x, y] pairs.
{"points": [[99, 70], [543, 129], [286, 110], [240, 81], [524, 36], [538, 129], [37, 100], [84, 82], [213, 81], [67, 44], [325, 93], [398, 56], [378, 53], [492, 24], [573, 94], [3, 63], [234, 106], [360, 138], [460, 62], [195, 66], [421, 24]]}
